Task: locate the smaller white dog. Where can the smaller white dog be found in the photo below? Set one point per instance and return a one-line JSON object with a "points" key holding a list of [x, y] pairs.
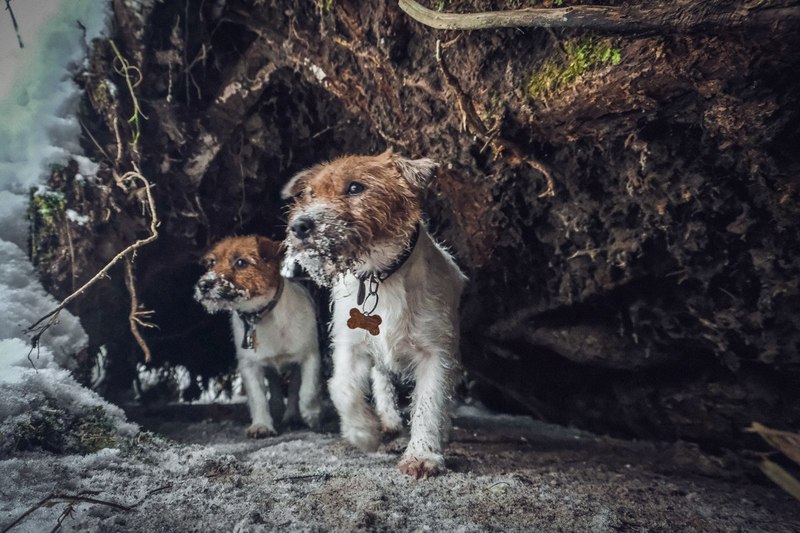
{"points": [[274, 325]]}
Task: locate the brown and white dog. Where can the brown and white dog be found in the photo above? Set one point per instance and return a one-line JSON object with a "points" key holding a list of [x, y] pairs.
{"points": [[356, 226], [274, 325]]}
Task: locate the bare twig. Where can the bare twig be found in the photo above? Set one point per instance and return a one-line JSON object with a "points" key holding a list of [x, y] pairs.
{"points": [[72, 272], [71, 499], [14, 23], [94, 140], [685, 15], [43, 324], [323, 476], [785, 441], [781, 477], [40, 326], [135, 313]]}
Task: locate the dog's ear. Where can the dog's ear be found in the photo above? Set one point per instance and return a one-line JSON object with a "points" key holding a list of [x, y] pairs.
{"points": [[298, 182], [268, 249], [417, 172]]}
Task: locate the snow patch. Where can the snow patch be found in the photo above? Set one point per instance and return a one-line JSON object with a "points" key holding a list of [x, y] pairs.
{"points": [[39, 102], [77, 218]]}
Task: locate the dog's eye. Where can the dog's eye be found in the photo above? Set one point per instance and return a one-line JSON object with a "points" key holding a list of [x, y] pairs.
{"points": [[354, 188], [240, 263], [209, 263]]}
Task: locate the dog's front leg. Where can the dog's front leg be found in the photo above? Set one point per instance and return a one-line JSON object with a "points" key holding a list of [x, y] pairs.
{"points": [[429, 417], [277, 408], [253, 378], [292, 414], [309, 391], [386, 402], [348, 388]]}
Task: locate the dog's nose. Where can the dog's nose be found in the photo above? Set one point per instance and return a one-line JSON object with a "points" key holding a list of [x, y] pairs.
{"points": [[205, 285], [302, 227]]}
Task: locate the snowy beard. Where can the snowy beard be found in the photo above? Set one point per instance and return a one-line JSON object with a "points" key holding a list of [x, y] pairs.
{"points": [[222, 296], [327, 254]]}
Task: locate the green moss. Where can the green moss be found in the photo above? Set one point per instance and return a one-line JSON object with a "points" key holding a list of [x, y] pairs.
{"points": [[95, 431], [325, 6], [52, 429], [45, 214], [47, 205], [580, 56]]}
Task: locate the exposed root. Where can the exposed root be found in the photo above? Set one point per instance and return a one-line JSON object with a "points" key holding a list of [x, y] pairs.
{"points": [[133, 78], [39, 327], [681, 16], [137, 317]]}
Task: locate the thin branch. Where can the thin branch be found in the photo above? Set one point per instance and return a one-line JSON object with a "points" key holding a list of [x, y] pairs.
{"points": [[323, 476], [133, 316], [687, 15], [40, 326], [65, 498], [71, 499], [124, 69], [14, 22]]}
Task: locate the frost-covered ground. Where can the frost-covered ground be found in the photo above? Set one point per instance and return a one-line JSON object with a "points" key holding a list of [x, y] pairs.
{"points": [[507, 473]]}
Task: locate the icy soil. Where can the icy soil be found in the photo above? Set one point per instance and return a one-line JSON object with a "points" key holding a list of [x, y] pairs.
{"points": [[506, 473]]}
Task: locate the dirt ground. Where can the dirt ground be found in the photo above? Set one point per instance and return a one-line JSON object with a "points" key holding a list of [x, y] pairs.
{"points": [[507, 473]]}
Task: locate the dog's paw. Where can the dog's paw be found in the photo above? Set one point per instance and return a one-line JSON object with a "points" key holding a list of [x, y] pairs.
{"points": [[259, 431], [366, 440], [312, 420], [421, 467], [292, 420], [389, 433]]}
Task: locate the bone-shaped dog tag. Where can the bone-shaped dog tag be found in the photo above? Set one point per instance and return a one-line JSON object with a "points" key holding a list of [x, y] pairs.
{"points": [[370, 323]]}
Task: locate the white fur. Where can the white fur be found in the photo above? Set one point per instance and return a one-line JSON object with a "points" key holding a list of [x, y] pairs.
{"points": [[284, 336], [418, 339]]}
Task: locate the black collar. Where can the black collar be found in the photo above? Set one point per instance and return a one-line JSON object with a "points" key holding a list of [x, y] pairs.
{"points": [[249, 320], [395, 266]]}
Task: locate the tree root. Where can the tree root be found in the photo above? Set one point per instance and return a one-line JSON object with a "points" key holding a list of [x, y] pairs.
{"points": [[669, 17]]}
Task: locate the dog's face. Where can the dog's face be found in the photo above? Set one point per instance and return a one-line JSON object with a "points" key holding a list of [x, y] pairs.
{"points": [[344, 211], [239, 271]]}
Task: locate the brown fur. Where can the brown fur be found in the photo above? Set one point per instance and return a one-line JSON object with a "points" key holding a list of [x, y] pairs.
{"points": [[387, 210], [261, 276]]}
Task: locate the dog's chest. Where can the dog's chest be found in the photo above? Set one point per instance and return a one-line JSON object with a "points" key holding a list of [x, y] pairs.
{"points": [[401, 334], [284, 336]]}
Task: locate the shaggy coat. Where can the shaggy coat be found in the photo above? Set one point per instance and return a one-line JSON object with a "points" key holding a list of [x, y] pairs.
{"points": [[243, 276], [355, 216]]}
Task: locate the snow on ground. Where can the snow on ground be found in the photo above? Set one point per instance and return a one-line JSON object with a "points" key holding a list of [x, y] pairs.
{"points": [[508, 474]]}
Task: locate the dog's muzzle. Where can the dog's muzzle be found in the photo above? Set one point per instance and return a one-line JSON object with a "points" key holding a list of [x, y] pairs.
{"points": [[204, 286], [213, 291], [302, 227]]}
